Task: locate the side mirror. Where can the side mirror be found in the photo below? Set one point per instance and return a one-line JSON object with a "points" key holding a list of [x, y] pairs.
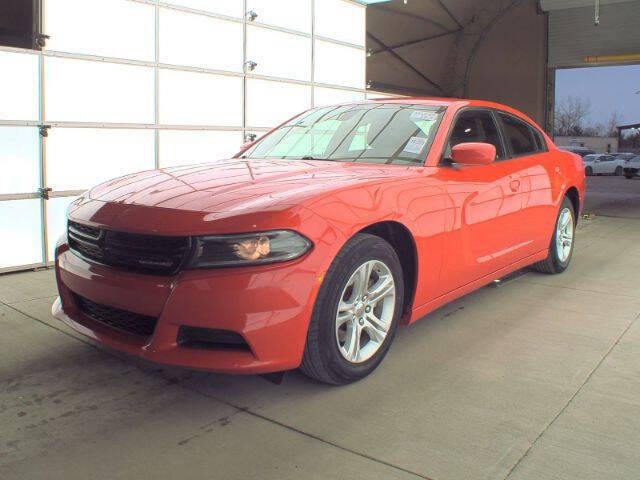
{"points": [[473, 153]]}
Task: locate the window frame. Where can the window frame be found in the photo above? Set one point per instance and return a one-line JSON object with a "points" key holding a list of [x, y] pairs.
{"points": [[492, 113], [535, 134]]}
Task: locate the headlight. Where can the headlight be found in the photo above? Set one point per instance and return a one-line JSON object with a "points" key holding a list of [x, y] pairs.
{"points": [[247, 249]]}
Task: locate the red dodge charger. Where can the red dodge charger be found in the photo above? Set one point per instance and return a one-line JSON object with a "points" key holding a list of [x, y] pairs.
{"points": [[312, 244]]}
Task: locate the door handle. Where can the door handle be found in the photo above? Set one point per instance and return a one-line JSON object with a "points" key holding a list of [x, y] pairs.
{"points": [[514, 185]]}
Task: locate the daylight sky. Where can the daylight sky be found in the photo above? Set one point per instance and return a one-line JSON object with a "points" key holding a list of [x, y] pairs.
{"points": [[607, 88]]}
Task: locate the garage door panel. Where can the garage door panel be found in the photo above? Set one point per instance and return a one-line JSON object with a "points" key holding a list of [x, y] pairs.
{"points": [[185, 147], [188, 98], [200, 41], [271, 103], [95, 155], [562, 4], [290, 14], [279, 54], [20, 228], [573, 36], [231, 8], [87, 27], [339, 65], [19, 160], [88, 91], [329, 96], [340, 20], [19, 92]]}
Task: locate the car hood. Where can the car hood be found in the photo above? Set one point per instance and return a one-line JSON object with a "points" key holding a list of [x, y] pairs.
{"points": [[234, 185]]}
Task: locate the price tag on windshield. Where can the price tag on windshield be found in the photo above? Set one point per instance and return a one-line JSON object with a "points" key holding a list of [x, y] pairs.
{"points": [[415, 144], [418, 115]]}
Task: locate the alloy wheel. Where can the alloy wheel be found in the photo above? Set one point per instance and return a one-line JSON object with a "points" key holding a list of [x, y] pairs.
{"points": [[564, 234], [365, 311]]}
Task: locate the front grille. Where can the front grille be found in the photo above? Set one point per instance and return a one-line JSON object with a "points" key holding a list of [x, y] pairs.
{"points": [[153, 254], [128, 322]]}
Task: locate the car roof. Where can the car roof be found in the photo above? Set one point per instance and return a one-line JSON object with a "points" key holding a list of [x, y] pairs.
{"points": [[442, 101], [447, 102]]}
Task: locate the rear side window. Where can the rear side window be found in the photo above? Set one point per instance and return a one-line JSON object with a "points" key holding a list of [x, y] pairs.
{"points": [[540, 143], [519, 135]]}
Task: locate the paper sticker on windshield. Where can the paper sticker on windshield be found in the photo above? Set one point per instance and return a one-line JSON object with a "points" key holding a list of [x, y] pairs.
{"points": [[418, 115], [415, 144]]}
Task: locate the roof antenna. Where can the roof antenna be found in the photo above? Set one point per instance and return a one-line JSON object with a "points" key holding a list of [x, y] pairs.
{"points": [[596, 18]]}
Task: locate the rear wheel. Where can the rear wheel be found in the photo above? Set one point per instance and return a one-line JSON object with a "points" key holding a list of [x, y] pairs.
{"points": [[618, 171], [588, 171], [356, 314], [562, 241]]}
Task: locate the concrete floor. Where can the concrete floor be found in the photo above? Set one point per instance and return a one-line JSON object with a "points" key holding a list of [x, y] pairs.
{"points": [[536, 379], [614, 196]]}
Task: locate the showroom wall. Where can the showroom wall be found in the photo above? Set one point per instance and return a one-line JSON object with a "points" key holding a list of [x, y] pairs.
{"points": [[519, 41], [127, 85]]}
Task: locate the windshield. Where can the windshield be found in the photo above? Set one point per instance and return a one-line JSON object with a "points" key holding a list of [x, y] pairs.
{"points": [[370, 133], [589, 158]]}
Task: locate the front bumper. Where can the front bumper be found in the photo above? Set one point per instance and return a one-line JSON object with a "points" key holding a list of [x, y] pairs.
{"points": [[269, 306]]}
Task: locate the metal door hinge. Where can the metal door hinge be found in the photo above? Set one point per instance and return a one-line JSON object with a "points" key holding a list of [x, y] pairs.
{"points": [[44, 192], [41, 39], [44, 130]]}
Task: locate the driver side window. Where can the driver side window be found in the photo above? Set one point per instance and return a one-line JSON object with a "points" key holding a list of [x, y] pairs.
{"points": [[475, 126]]}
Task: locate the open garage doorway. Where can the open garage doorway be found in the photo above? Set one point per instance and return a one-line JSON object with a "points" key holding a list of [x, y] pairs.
{"points": [[597, 114]]}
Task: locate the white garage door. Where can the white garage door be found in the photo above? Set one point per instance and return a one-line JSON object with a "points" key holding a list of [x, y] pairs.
{"points": [[128, 85], [573, 34]]}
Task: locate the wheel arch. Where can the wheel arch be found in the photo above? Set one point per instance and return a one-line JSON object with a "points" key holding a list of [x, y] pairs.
{"points": [[573, 195], [404, 244]]}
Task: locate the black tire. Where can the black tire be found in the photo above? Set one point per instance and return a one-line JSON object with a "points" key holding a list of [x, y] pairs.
{"points": [[552, 264], [618, 171], [588, 171], [628, 176], [322, 359]]}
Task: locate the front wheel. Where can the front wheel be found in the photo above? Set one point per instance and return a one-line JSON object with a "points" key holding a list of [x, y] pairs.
{"points": [[562, 241], [628, 176], [356, 314], [588, 171], [618, 171]]}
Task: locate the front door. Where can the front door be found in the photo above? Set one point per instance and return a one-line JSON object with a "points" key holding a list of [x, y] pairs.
{"points": [[486, 228]]}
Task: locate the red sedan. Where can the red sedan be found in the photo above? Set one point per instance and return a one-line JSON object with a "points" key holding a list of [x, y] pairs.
{"points": [[312, 244]]}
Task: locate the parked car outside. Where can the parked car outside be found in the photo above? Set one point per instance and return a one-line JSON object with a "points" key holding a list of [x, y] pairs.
{"points": [[624, 155], [632, 167], [582, 151], [602, 164], [312, 244]]}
